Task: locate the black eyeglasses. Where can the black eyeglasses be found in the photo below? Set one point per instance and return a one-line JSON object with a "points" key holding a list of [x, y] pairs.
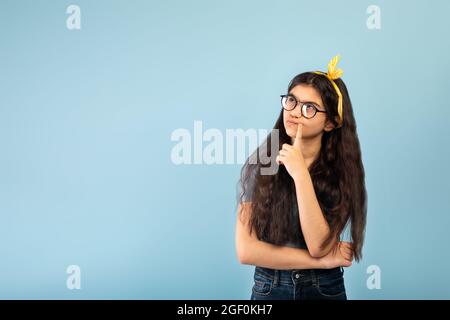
{"points": [[309, 109]]}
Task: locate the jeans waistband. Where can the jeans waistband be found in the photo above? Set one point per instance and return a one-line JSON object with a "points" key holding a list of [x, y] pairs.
{"points": [[296, 275]]}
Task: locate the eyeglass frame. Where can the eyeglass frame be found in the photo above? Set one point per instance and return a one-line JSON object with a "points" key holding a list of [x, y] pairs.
{"points": [[301, 106]]}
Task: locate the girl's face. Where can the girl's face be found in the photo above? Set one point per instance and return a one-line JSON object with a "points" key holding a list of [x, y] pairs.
{"points": [[313, 126]]}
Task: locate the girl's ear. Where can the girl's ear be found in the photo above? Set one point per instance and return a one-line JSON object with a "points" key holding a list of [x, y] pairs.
{"points": [[329, 125]]}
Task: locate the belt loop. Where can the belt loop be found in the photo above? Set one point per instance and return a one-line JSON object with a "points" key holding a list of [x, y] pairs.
{"points": [[275, 277], [313, 278]]}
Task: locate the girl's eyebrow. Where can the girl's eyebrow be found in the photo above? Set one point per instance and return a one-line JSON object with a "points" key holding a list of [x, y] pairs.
{"points": [[317, 104]]}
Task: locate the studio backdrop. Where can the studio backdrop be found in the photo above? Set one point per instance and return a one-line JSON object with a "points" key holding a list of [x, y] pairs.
{"points": [[120, 150]]}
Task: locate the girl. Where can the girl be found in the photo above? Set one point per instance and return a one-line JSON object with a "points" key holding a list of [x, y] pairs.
{"points": [[290, 223]]}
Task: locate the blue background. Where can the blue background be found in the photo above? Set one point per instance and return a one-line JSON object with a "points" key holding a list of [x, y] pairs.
{"points": [[86, 117]]}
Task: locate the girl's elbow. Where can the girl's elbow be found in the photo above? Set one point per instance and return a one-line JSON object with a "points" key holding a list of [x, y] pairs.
{"points": [[242, 258], [242, 252], [317, 253], [246, 249]]}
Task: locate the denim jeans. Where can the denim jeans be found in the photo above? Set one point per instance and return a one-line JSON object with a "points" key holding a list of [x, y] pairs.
{"points": [[308, 284]]}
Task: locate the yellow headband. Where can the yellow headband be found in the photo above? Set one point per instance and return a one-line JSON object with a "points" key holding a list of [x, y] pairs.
{"points": [[333, 74]]}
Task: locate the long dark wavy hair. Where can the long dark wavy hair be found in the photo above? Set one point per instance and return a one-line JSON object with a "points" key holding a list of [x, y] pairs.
{"points": [[337, 174]]}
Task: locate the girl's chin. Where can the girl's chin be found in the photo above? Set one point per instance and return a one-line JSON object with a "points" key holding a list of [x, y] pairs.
{"points": [[291, 131]]}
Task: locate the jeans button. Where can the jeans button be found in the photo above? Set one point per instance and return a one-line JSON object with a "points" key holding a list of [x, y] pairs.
{"points": [[297, 276]]}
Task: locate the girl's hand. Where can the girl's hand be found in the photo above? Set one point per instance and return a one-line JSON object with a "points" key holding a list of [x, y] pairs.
{"points": [[340, 256], [291, 155]]}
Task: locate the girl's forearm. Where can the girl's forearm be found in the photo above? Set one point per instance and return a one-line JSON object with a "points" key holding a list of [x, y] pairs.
{"points": [[264, 254], [314, 226]]}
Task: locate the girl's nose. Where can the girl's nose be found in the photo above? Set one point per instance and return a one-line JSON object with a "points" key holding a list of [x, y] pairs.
{"points": [[297, 112]]}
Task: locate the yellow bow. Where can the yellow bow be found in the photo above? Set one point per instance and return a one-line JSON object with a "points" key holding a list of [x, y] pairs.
{"points": [[335, 73]]}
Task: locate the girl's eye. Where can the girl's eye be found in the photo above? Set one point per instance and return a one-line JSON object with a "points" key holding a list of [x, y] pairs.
{"points": [[309, 110]]}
